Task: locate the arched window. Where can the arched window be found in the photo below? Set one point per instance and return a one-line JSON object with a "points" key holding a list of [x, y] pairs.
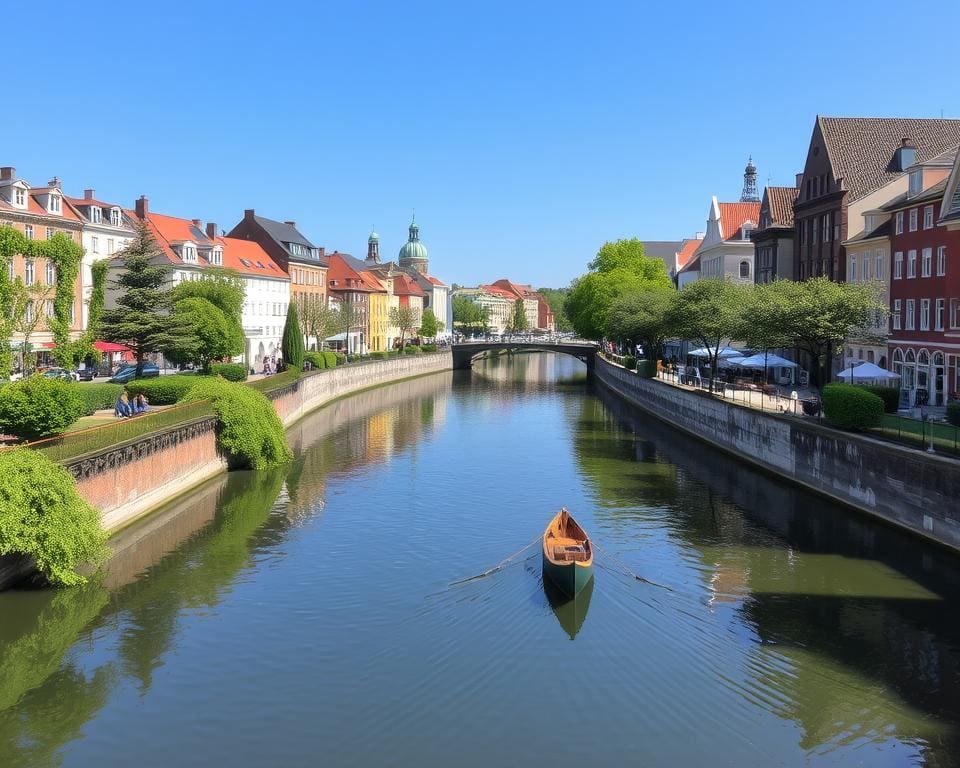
{"points": [[883, 361], [910, 357], [869, 355], [898, 355], [938, 358], [744, 269], [923, 358]]}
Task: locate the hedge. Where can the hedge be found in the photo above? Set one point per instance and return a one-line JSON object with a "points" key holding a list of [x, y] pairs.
{"points": [[630, 362], [249, 429], [889, 395], [850, 407], [378, 355], [43, 515], [647, 369], [96, 397], [953, 413], [338, 357], [353, 358], [316, 359], [429, 347], [230, 371], [36, 407], [412, 349], [164, 390]]}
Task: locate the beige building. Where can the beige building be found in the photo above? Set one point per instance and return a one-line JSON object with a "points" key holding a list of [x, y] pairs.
{"points": [[868, 259], [498, 308]]}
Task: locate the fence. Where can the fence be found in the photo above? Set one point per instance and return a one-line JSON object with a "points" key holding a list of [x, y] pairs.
{"points": [[920, 433]]}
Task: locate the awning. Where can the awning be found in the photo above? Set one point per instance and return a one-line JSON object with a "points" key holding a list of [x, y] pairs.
{"points": [[109, 346]]}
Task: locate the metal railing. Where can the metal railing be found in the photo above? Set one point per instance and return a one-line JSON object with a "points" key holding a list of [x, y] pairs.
{"points": [[925, 434]]}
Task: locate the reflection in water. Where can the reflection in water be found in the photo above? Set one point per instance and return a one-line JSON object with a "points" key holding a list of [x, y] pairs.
{"points": [[570, 613], [271, 612]]}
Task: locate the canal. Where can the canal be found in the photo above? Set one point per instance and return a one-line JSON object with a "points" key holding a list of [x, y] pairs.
{"points": [[310, 616]]}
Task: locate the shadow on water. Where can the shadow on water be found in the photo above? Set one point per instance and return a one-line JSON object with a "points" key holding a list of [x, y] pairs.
{"points": [[571, 613], [813, 579]]}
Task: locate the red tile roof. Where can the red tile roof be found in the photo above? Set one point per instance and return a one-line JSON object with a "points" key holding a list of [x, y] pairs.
{"points": [[406, 286], [246, 257], [686, 251], [435, 281], [33, 206], [342, 277], [734, 215], [780, 202], [83, 202]]}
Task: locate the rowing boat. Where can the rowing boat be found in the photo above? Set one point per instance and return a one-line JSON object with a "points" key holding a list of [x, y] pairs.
{"points": [[567, 554]]}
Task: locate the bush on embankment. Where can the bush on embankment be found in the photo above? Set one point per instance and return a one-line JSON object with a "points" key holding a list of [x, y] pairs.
{"points": [[36, 407], [316, 359], [429, 347], [889, 395], [96, 397], [164, 390], [647, 369], [250, 431], [630, 362], [42, 515], [412, 349], [851, 407], [230, 371]]}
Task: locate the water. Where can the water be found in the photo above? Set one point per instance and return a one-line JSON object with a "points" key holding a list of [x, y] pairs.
{"points": [[305, 616]]}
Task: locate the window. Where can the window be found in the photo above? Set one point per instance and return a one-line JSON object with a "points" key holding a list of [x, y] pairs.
{"points": [[941, 261], [866, 266], [29, 272], [50, 273], [898, 223], [913, 219], [95, 244], [878, 271], [95, 215], [924, 314], [48, 308], [816, 229], [73, 314], [852, 276], [911, 263], [28, 312], [110, 246], [744, 269], [910, 323], [28, 231], [115, 217], [926, 262], [19, 197], [189, 253], [49, 232], [54, 203], [898, 265], [938, 317], [916, 183], [836, 226], [826, 228], [954, 314], [928, 217], [216, 257], [745, 230]]}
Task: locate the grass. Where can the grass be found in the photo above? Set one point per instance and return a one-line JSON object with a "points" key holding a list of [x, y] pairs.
{"points": [[913, 432]]}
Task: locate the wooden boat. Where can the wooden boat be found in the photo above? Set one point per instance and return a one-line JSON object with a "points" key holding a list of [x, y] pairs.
{"points": [[567, 554]]}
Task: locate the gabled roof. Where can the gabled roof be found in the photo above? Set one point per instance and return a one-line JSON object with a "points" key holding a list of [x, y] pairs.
{"points": [[950, 209], [861, 149], [734, 215], [404, 285], [283, 232], [341, 276], [935, 192], [248, 258], [86, 202], [503, 293], [779, 201], [883, 230], [687, 248], [434, 281]]}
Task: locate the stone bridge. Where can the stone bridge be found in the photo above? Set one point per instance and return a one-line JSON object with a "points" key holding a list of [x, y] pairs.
{"points": [[465, 351]]}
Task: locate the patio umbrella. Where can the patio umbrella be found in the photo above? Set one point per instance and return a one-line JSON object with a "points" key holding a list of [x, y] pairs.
{"points": [[722, 353], [771, 361], [731, 362], [867, 372]]}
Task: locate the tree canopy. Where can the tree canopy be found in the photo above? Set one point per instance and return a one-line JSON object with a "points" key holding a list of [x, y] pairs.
{"points": [[429, 325], [469, 317], [404, 319], [207, 318], [641, 317], [518, 318], [556, 297]]}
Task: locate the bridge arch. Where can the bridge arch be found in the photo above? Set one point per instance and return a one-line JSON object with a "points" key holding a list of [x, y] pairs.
{"points": [[465, 352]]}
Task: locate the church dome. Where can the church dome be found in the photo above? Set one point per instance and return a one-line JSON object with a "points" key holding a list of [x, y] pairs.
{"points": [[374, 237], [413, 251]]}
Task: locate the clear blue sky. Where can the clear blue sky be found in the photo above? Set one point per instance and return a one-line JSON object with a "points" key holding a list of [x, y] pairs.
{"points": [[524, 134]]}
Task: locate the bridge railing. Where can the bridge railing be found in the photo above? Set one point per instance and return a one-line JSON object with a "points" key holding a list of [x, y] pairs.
{"points": [[528, 340]]}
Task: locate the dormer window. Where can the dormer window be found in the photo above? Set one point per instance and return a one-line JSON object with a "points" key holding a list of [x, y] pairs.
{"points": [[746, 229], [54, 204], [95, 215], [188, 253], [216, 256], [916, 183], [19, 197], [115, 217]]}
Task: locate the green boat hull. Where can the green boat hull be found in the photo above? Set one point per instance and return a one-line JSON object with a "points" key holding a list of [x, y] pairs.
{"points": [[569, 578]]}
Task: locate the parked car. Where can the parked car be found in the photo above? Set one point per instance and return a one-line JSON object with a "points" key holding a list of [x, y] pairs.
{"points": [[60, 373], [85, 374], [128, 372]]}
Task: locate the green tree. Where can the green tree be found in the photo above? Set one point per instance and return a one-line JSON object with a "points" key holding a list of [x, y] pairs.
{"points": [[469, 317], [30, 310], [518, 318], [555, 298], [318, 319], [641, 317], [291, 345], [205, 334], [141, 318], [404, 319], [709, 313], [428, 324], [617, 269]]}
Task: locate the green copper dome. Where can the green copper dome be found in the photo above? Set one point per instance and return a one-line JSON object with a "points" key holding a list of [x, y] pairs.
{"points": [[413, 249]]}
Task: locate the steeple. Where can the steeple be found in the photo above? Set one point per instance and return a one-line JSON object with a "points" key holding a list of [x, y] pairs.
{"points": [[413, 254], [750, 194], [373, 247], [414, 230]]}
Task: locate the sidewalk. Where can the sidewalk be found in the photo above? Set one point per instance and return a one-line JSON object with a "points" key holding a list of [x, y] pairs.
{"points": [[781, 399]]}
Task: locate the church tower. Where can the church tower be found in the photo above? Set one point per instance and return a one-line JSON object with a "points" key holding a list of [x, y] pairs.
{"points": [[373, 247], [750, 194], [413, 254]]}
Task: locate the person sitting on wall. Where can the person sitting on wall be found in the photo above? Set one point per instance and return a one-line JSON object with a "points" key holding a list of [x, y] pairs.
{"points": [[123, 409]]}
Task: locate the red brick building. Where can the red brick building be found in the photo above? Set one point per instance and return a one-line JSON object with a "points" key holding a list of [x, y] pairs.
{"points": [[924, 343]]}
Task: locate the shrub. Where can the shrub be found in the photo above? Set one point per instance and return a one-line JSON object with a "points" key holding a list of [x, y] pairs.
{"points": [[889, 395], [378, 355], [230, 371], [630, 362], [164, 390], [412, 349], [316, 359], [647, 368], [42, 515], [331, 359], [429, 347], [353, 358], [98, 396], [249, 431], [953, 413], [291, 344], [340, 358], [37, 407], [850, 407]]}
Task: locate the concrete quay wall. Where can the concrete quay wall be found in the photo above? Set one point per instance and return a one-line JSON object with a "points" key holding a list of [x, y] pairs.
{"points": [[914, 490]]}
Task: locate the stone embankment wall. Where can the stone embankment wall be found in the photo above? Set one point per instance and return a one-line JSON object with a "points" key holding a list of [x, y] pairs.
{"points": [[909, 488]]}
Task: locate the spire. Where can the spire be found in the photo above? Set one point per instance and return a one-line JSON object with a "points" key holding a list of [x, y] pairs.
{"points": [[373, 247], [749, 194], [414, 229]]}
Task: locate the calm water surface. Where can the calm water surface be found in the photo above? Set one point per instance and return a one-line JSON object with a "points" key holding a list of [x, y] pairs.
{"points": [[306, 616]]}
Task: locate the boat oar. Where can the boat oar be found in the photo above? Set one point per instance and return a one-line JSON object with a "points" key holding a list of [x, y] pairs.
{"points": [[628, 572], [499, 566]]}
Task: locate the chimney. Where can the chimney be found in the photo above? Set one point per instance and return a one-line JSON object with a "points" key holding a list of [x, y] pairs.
{"points": [[8, 173], [799, 180], [142, 206], [322, 252], [906, 154], [88, 194], [198, 223], [291, 223], [54, 182], [248, 213], [211, 230]]}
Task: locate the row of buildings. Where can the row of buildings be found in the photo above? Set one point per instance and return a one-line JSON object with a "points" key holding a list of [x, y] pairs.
{"points": [[499, 300], [276, 261], [878, 200]]}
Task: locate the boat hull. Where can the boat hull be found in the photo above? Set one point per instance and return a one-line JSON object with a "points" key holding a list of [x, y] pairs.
{"points": [[569, 578]]}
